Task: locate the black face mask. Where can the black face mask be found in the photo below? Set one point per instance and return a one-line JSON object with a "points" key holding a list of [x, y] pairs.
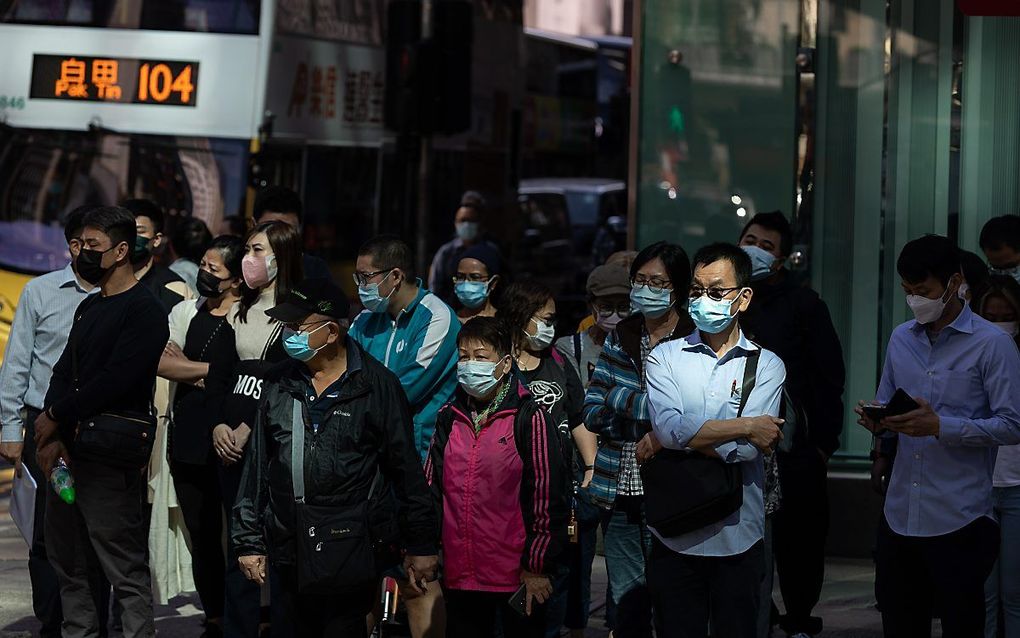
{"points": [[141, 251], [209, 284], [90, 265]]}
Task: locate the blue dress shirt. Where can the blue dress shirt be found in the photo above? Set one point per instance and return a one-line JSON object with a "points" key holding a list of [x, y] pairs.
{"points": [[687, 386], [39, 333], [971, 378]]}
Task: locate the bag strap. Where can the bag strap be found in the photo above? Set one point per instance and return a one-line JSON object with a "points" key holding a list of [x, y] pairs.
{"points": [[577, 349], [750, 377], [297, 456]]}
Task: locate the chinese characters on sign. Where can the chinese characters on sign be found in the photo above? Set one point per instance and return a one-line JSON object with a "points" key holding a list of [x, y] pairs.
{"points": [[120, 80], [362, 94]]}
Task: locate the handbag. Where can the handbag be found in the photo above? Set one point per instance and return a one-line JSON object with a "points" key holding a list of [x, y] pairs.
{"points": [[334, 544], [121, 439], [686, 490]]}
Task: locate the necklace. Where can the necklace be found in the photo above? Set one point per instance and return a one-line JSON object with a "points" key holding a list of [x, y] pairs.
{"points": [[480, 417]]}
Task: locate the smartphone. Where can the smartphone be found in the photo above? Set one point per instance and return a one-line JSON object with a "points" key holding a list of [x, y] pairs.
{"points": [[519, 601], [900, 403]]}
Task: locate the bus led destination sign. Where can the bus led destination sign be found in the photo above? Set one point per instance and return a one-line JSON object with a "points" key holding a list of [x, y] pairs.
{"points": [[119, 80]]}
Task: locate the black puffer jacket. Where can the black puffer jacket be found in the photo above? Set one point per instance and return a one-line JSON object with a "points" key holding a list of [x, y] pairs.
{"points": [[368, 427]]}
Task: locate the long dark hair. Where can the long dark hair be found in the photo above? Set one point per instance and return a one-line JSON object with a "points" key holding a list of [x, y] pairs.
{"points": [[285, 241], [231, 250], [518, 304]]}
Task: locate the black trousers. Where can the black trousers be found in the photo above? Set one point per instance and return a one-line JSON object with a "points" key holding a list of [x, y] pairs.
{"points": [[689, 591], [103, 532], [799, 529], [325, 615], [45, 587], [198, 492], [918, 575], [475, 614]]}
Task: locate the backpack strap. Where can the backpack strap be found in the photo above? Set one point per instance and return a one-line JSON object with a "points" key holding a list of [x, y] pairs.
{"points": [[750, 377], [577, 349]]}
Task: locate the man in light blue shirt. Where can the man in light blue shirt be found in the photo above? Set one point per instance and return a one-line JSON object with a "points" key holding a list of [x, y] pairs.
{"points": [[938, 539], [42, 322], [694, 387]]}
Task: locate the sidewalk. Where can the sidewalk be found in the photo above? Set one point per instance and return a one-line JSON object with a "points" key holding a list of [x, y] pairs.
{"points": [[847, 600]]}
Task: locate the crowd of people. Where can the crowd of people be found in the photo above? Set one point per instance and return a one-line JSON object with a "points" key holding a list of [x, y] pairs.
{"points": [[441, 442]]}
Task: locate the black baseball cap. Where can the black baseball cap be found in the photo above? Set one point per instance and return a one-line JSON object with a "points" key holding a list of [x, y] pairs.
{"points": [[318, 296]]}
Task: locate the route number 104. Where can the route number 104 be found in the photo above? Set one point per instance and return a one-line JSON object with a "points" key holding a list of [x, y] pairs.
{"points": [[156, 82]]}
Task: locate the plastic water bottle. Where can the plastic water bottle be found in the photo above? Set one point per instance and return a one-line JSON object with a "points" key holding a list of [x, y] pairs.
{"points": [[62, 481]]}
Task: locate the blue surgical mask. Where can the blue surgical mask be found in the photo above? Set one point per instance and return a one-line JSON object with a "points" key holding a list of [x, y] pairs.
{"points": [[650, 303], [467, 231], [372, 300], [478, 378], [710, 316], [761, 262], [472, 293], [295, 343]]}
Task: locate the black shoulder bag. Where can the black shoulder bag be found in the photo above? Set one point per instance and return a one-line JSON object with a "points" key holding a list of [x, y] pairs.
{"points": [[334, 544], [686, 490], [123, 439]]}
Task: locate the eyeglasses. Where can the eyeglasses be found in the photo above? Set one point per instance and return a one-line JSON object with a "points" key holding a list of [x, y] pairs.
{"points": [[657, 284], [297, 326], [605, 310], [362, 278], [458, 278], [715, 294]]}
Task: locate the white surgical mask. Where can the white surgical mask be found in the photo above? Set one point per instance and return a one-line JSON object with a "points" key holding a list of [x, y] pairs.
{"points": [[926, 310], [543, 338]]}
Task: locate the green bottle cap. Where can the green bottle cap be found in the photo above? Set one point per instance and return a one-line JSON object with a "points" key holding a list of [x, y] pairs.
{"points": [[67, 495]]}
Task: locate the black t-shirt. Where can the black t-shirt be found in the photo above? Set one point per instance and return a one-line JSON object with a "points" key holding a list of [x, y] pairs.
{"points": [[557, 390], [209, 338], [156, 280]]}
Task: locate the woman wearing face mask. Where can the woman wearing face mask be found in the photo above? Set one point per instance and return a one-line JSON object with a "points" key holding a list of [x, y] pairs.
{"points": [[200, 332], [270, 268], [529, 310], [616, 408], [499, 482], [476, 282], [1000, 304]]}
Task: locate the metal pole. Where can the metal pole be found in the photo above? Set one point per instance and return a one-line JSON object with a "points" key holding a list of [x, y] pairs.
{"points": [[424, 162]]}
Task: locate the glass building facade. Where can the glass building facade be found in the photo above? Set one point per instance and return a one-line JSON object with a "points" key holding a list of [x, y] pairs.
{"points": [[868, 122]]}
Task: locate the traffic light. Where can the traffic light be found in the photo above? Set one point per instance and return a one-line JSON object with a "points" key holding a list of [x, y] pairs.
{"points": [[428, 80]]}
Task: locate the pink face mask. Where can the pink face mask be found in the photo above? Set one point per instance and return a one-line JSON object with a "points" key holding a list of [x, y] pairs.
{"points": [[258, 271]]}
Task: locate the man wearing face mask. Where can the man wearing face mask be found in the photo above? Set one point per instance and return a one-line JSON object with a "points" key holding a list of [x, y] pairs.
{"points": [[1000, 241], [167, 285], [470, 232], [714, 392], [414, 334], [333, 398], [107, 368], [793, 321], [938, 538], [38, 336]]}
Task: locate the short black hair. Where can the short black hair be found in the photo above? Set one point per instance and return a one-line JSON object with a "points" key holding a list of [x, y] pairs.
{"points": [[238, 225], [975, 272], [489, 330], [674, 258], [146, 208], [389, 251], [231, 249], [775, 221], [473, 199], [999, 231], [929, 256], [116, 222], [722, 251], [191, 238], [73, 223], [278, 199]]}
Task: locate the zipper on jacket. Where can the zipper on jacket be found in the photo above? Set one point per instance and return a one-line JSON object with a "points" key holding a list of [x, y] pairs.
{"points": [[389, 345]]}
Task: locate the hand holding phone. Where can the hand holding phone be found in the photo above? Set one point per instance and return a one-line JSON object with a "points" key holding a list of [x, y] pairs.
{"points": [[901, 403]]}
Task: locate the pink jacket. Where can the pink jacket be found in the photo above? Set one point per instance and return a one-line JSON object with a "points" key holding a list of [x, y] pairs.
{"points": [[503, 493]]}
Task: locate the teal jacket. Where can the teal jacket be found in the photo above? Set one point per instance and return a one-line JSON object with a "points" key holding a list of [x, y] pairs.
{"points": [[420, 347]]}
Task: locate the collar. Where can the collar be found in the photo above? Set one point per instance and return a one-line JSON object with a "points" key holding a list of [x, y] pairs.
{"points": [[963, 323], [355, 364], [422, 291], [694, 342], [68, 279]]}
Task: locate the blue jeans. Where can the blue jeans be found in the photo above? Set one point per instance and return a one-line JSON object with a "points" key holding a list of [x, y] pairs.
{"points": [[1003, 587], [628, 543], [570, 603]]}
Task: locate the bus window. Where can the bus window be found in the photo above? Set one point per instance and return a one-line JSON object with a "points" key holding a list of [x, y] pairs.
{"points": [[204, 16]]}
